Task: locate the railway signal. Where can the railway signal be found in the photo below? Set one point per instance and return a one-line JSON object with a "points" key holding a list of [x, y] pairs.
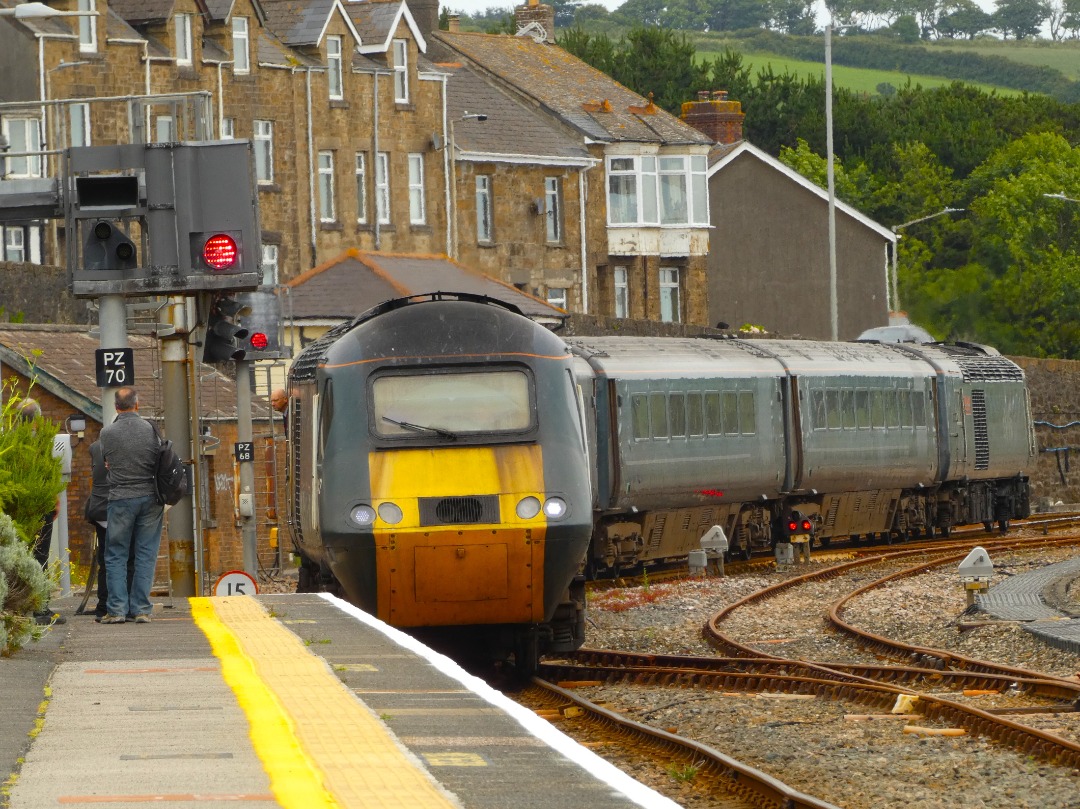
{"points": [[106, 247], [224, 335]]}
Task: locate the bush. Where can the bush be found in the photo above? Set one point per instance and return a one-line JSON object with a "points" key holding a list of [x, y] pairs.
{"points": [[24, 589]]}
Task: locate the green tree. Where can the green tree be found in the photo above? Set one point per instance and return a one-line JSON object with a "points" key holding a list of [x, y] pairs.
{"points": [[1021, 19]]}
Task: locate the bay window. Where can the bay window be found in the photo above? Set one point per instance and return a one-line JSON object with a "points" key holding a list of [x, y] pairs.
{"points": [[657, 190]]}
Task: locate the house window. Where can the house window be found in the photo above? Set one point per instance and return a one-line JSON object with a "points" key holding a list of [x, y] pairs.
{"points": [[556, 296], [622, 292], [228, 128], [79, 122], [326, 186], [269, 265], [649, 190], [669, 295], [164, 131], [14, 243], [264, 151], [553, 209], [361, 188], [23, 135], [333, 66], [241, 46], [183, 39], [87, 28], [417, 214], [483, 209], [401, 71], [382, 188]]}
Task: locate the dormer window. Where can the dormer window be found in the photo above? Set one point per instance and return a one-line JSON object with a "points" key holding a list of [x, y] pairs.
{"points": [[87, 28], [241, 42], [401, 71], [333, 67], [183, 39], [657, 190]]}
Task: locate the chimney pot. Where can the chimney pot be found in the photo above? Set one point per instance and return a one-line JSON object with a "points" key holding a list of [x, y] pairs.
{"points": [[453, 23], [702, 95], [719, 95]]}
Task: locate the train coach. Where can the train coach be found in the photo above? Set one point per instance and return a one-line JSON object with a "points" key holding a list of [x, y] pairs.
{"points": [[866, 440], [438, 478]]}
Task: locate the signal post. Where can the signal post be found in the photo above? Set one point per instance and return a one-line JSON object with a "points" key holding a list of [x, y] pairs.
{"points": [[195, 206]]}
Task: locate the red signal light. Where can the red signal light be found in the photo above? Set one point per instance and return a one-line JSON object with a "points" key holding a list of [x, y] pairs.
{"points": [[259, 341], [806, 526], [792, 527], [220, 252]]}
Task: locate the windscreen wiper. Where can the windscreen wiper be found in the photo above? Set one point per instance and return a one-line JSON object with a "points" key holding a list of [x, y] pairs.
{"points": [[420, 428]]}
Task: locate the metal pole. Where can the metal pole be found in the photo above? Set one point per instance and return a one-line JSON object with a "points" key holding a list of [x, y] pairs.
{"points": [[247, 471], [180, 518], [112, 328], [833, 308]]}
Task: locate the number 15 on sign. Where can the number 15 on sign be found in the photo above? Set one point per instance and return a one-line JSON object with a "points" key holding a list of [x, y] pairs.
{"points": [[235, 583]]}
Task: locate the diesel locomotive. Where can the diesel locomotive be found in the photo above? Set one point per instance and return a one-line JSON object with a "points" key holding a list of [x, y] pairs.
{"points": [[454, 467], [438, 475], [865, 439]]}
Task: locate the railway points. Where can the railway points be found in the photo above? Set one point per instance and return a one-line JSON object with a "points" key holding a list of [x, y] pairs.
{"points": [[288, 700]]}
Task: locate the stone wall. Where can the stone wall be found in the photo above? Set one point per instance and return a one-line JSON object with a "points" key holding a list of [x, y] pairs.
{"points": [[1055, 404], [31, 293]]}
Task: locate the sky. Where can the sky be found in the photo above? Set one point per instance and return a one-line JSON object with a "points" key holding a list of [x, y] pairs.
{"points": [[474, 6]]}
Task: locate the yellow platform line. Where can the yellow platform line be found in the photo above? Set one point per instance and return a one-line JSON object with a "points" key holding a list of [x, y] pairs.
{"points": [[320, 745]]}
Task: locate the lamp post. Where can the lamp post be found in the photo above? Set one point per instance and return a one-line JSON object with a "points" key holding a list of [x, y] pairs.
{"points": [[27, 10], [894, 289], [465, 116], [1061, 196]]}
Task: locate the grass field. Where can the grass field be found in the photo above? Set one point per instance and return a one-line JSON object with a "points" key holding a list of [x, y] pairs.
{"points": [[860, 80], [1062, 56]]}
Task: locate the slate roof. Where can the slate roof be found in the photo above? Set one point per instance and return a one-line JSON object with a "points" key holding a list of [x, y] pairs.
{"points": [[373, 19], [57, 27], [64, 366], [214, 53], [511, 128], [117, 28], [219, 9], [298, 23], [356, 280], [572, 89], [138, 12]]}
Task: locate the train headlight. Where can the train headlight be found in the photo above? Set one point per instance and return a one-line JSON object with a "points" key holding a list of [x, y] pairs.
{"points": [[390, 513], [363, 515], [555, 508], [528, 507]]}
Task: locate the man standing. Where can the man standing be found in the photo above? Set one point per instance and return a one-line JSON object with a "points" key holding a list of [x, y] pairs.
{"points": [[130, 448]]}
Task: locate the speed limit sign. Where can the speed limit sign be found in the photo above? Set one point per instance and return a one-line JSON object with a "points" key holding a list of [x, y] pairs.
{"points": [[235, 583]]}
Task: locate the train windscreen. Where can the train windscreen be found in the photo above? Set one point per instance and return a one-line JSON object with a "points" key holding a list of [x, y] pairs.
{"points": [[497, 401]]}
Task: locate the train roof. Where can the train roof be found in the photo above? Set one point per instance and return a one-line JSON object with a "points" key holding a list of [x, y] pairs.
{"points": [[675, 358]]}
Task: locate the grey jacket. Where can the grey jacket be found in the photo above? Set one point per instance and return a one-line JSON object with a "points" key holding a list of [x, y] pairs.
{"points": [[130, 447]]}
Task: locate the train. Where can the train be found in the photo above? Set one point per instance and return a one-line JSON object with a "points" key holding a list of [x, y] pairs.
{"points": [[459, 470]]}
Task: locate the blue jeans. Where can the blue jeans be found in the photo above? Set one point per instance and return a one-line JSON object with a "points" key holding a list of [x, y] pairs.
{"points": [[134, 529]]}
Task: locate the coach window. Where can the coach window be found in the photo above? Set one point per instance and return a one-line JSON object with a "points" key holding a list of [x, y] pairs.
{"points": [[832, 407], [695, 415], [904, 402], [677, 411], [730, 402], [658, 414], [639, 416], [862, 408], [847, 407], [817, 405], [877, 409], [892, 410], [918, 408], [714, 421], [747, 414]]}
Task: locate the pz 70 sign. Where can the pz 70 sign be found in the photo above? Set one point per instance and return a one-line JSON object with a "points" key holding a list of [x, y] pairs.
{"points": [[115, 367]]}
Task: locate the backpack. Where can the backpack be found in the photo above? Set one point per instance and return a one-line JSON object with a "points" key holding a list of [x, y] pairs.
{"points": [[171, 480]]}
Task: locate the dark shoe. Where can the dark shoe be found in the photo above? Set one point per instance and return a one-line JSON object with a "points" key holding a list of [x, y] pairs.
{"points": [[97, 618], [48, 617], [114, 619]]}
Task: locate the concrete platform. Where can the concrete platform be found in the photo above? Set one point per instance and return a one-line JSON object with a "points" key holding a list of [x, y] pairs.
{"points": [[1028, 598], [288, 700]]}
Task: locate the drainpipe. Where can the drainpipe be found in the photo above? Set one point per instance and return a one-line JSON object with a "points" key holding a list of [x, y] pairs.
{"points": [[451, 195], [584, 253], [375, 155], [311, 167]]}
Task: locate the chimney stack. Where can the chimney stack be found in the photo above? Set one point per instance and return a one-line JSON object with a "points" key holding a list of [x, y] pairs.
{"points": [[541, 13], [426, 14], [713, 114], [453, 23]]}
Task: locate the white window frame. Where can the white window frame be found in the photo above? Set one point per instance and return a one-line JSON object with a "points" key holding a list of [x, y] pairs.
{"points": [[241, 46], [670, 297], [553, 214], [79, 124], [382, 188], [325, 164], [14, 243], [417, 208], [401, 71], [558, 296], [23, 135], [228, 128], [263, 141], [164, 129], [88, 42], [666, 189], [334, 75], [184, 48], [485, 227], [621, 279], [360, 172], [269, 265]]}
